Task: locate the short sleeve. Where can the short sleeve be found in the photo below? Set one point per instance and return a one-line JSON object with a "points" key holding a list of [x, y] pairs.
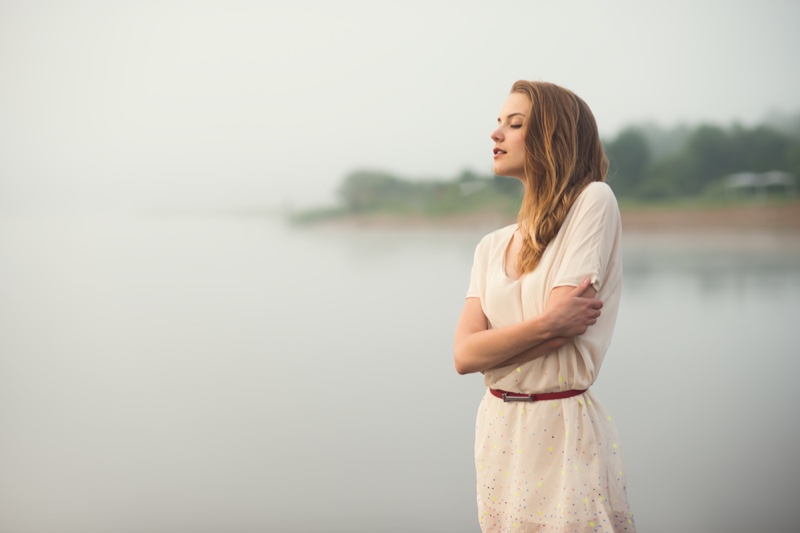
{"points": [[592, 230]]}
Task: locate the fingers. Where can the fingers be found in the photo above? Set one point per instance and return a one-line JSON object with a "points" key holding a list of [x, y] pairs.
{"points": [[591, 317]]}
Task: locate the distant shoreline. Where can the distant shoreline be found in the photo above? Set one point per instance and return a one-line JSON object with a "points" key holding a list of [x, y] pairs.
{"points": [[782, 218], [751, 226], [772, 218]]}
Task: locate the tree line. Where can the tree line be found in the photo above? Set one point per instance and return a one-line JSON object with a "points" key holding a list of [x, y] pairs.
{"points": [[647, 163], [651, 163]]}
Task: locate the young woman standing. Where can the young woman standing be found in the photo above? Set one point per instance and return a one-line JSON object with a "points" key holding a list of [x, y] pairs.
{"points": [[537, 321]]}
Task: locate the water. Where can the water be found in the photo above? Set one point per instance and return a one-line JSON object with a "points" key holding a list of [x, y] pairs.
{"points": [[230, 373]]}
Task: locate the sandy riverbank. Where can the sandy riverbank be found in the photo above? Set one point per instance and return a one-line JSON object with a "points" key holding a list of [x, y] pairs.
{"points": [[753, 227], [776, 218], [767, 226], [771, 218]]}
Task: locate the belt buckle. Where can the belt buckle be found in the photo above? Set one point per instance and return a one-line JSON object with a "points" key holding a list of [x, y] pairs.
{"points": [[525, 398]]}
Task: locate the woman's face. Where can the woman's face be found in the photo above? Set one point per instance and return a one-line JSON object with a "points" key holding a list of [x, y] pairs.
{"points": [[509, 137]]}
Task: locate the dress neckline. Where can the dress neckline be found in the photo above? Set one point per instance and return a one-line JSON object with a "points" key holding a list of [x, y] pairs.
{"points": [[503, 256]]}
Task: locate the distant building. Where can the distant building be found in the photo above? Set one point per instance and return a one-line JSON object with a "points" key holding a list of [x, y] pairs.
{"points": [[760, 184]]}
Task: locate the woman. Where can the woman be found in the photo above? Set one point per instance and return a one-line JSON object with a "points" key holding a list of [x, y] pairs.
{"points": [[547, 454]]}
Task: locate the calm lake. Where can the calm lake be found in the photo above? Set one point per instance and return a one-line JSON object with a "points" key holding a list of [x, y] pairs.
{"points": [[208, 373]]}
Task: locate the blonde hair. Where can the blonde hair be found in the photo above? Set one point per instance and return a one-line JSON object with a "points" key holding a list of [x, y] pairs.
{"points": [[563, 155]]}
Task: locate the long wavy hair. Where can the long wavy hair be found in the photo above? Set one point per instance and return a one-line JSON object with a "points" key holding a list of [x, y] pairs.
{"points": [[563, 155]]}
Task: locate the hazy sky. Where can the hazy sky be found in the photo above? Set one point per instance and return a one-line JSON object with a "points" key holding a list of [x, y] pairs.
{"points": [[242, 103]]}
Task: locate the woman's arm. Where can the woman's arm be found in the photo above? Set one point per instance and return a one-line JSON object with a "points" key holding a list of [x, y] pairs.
{"points": [[540, 350], [570, 310]]}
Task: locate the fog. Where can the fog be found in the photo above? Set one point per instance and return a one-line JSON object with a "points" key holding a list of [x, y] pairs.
{"points": [[229, 373], [174, 357], [182, 103]]}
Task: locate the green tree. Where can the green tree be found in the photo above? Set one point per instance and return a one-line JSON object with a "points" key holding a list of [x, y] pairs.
{"points": [[368, 189], [710, 155], [663, 178], [793, 160], [629, 157], [760, 149]]}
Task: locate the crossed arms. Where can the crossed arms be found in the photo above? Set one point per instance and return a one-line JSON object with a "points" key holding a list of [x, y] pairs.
{"points": [[569, 313]]}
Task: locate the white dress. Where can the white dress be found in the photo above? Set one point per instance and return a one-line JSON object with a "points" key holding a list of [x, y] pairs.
{"points": [[552, 466]]}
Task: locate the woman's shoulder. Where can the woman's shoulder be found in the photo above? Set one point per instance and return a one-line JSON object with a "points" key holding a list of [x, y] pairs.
{"points": [[598, 191], [597, 195]]}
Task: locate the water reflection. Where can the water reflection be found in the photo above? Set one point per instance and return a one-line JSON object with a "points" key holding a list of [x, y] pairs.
{"points": [[765, 262], [235, 362]]}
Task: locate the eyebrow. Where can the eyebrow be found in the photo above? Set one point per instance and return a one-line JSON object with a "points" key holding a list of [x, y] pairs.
{"points": [[512, 115]]}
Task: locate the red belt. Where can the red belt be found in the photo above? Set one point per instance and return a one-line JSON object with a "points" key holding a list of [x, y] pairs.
{"points": [[520, 397]]}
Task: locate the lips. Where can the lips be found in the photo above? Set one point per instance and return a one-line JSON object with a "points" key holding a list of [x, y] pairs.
{"points": [[498, 151]]}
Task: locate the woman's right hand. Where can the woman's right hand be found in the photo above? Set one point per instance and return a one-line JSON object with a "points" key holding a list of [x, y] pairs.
{"points": [[478, 347], [571, 310]]}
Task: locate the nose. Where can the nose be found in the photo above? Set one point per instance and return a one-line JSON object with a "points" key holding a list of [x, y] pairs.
{"points": [[497, 135]]}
